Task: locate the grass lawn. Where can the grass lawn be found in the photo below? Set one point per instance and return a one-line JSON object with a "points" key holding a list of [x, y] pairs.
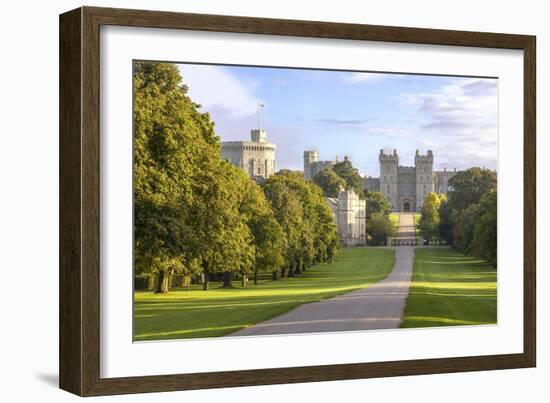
{"points": [[449, 288], [189, 314]]}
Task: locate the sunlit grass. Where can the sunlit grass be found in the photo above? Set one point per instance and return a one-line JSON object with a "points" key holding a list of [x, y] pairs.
{"points": [[449, 289], [217, 312]]}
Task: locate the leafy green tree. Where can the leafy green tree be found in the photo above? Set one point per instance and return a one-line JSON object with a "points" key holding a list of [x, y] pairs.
{"points": [[484, 242], [268, 236], [379, 227], [173, 144], [376, 202], [445, 228], [463, 227], [468, 187], [350, 175], [330, 182], [430, 219], [302, 212]]}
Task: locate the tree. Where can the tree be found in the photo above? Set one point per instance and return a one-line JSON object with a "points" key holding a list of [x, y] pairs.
{"points": [[350, 175], [173, 144], [484, 242], [468, 187], [379, 227], [430, 219], [303, 214], [463, 227], [330, 182], [445, 228], [376, 202], [268, 236]]}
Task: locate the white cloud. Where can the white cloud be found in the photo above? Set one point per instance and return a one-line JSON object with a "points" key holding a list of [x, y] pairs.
{"points": [[460, 121], [214, 87]]}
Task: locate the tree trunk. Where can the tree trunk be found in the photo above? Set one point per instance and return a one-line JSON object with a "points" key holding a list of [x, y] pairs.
{"points": [[283, 272], [299, 265], [227, 279], [255, 277], [205, 280], [151, 282], [291, 270], [244, 280], [186, 280], [275, 275], [162, 286]]}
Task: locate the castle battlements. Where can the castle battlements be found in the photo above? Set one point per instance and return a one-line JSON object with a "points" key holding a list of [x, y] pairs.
{"points": [[256, 157]]}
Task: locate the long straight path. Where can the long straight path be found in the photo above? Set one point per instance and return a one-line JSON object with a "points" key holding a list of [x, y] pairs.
{"points": [[379, 306], [406, 234]]}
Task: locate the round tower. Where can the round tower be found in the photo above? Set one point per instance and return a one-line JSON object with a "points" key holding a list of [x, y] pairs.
{"points": [[424, 176], [258, 135], [388, 176], [310, 157]]}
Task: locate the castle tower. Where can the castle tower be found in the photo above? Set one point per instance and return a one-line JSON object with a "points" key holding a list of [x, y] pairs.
{"points": [[258, 135], [388, 176], [309, 158], [424, 176], [256, 157]]}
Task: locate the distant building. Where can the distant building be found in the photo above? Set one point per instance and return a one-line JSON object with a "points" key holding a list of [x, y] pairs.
{"points": [[349, 213], [312, 166], [407, 187], [255, 157], [371, 184]]}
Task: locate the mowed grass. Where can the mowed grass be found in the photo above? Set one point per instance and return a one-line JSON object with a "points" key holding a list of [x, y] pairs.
{"points": [[190, 314], [449, 288]]}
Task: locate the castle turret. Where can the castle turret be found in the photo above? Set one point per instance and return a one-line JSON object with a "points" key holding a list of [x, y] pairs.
{"points": [[424, 176], [258, 135], [388, 176], [256, 157], [309, 158]]}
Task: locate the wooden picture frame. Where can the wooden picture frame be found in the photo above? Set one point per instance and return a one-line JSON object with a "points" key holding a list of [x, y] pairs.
{"points": [[79, 346]]}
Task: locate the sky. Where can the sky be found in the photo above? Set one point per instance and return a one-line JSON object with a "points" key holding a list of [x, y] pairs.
{"points": [[353, 114]]}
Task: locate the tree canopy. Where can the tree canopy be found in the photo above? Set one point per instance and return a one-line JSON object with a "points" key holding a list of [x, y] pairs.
{"points": [[376, 202], [469, 186], [330, 182], [306, 220], [350, 175]]}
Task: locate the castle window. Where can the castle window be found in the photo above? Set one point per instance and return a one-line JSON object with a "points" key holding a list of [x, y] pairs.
{"points": [[259, 170], [421, 178], [391, 178], [388, 189]]}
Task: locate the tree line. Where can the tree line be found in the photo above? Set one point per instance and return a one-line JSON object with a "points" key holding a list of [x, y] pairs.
{"points": [[197, 215], [467, 217]]}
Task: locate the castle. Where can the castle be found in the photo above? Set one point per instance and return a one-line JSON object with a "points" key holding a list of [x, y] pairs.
{"points": [[255, 157], [349, 213], [312, 166], [405, 187]]}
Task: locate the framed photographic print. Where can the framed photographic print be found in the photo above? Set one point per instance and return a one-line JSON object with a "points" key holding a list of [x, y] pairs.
{"points": [[249, 201]]}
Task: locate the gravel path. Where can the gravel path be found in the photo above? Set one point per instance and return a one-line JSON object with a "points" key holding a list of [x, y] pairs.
{"points": [[379, 306]]}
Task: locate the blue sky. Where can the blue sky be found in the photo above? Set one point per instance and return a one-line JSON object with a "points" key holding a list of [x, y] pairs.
{"points": [[352, 114]]}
